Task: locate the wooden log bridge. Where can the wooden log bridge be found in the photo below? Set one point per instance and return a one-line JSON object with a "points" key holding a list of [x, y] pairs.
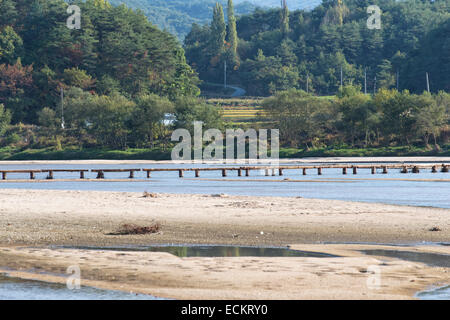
{"points": [[272, 171], [50, 175], [101, 172], [266, 170]]}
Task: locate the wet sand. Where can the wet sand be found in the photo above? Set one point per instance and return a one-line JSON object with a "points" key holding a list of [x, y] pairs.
{"points": [[31, 221], [160, 274]]}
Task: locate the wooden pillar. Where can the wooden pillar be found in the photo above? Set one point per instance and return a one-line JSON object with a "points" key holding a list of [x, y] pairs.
{"points": [[434, 169], [344, 170], [4, 175], [273, 173], [280, 172], [444, 168], [149, 174], [224, 172], [181, 173], [404, 170], [385, 170], [267, 172], [374, 170], [131, 174], [355, 170], [81, 174], [416, 170], [239, 172], [197, 173], [50, 175], [32, 175], [319, 171], [304, 171], [247, 172], [100, 175]]}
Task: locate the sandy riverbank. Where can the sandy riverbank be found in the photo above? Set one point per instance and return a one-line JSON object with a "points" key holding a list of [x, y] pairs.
{"points": [[354, 276], [30, 221], [35, 217]]}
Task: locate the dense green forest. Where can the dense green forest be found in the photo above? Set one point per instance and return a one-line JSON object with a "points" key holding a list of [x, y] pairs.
{"points": [[177, 16], [120, 78], [119, 75], [280, 49]]}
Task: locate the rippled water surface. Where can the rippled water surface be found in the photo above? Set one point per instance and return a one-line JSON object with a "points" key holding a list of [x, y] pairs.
{"points": [[424, 189], [20, 289]]}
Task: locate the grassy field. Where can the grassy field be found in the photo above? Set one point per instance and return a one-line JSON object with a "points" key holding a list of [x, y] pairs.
{"points": [[240, 110]]}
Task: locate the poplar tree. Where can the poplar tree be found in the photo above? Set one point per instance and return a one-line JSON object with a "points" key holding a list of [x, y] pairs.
{"points": [[285, 19], [218, 31], [232, 39]]}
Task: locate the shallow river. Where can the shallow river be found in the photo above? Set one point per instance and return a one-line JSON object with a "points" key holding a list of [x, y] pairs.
{"points": [[424, 189]]}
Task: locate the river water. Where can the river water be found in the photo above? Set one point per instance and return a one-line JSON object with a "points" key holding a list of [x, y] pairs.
{"points": [[424, 189], [20, 289]]}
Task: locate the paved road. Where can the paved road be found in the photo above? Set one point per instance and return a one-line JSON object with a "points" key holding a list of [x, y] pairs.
{"points": [[238, 93]]}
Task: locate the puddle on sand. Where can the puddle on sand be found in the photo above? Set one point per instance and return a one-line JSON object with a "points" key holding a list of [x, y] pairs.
{"points": [[431, 259], [217, 251], [436, 294], [21, 289]]}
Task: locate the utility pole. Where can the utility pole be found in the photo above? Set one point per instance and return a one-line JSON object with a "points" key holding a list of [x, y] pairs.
{"points": [[62, 108], [225, 74], [375, 85], [428, 83], [342, 78], [365, 80], [307, 83], [398, 76]]}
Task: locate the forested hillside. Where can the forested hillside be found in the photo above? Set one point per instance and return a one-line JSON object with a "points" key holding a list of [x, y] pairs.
{"points": [[119, 74], [280, 49], [116, 50], [177, 16]]}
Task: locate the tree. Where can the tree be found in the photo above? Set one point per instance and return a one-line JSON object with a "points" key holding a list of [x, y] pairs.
{"points": [[110, 116], [218, 32], [10, 45], [5, 119], [431, 119], [147, 118], [232, 38], [356, 109], [301, 118], [284, 23], [75, 77], [385, 75], [8, 12], [191, 109], [15, 83]]}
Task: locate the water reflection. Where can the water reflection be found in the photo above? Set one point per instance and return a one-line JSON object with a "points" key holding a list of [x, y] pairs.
{"points": [[217, 251], [431, 259]]}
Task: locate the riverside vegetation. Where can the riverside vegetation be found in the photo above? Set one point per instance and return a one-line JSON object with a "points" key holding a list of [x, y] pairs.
{"points": [[122, 77]]}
